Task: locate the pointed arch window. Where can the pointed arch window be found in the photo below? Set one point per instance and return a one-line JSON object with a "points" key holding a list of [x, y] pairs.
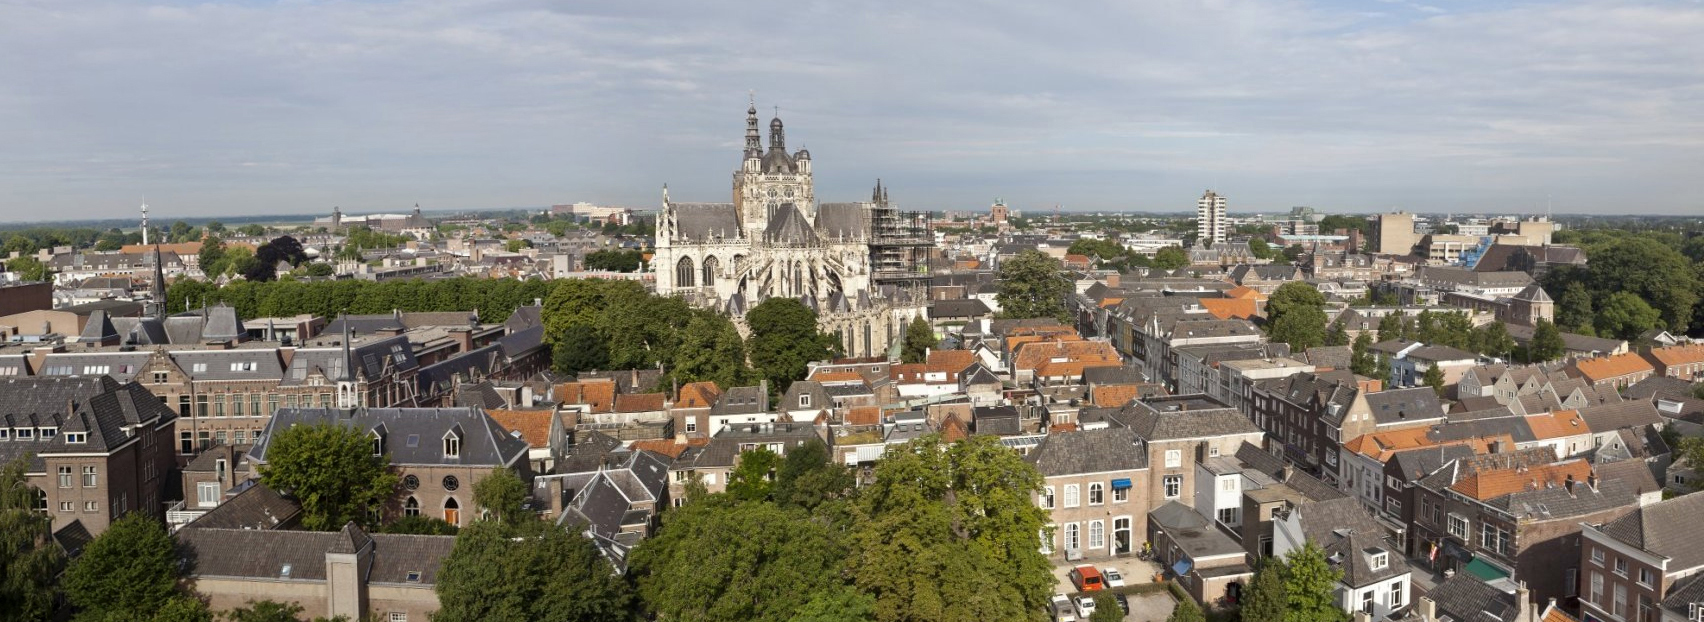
{"points": [[452, 445], [452, 512], [710, 267], [411, 507], [684, 273]]}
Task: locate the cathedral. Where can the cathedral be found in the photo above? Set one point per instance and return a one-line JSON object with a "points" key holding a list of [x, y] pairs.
{"points": [[855, 264]]}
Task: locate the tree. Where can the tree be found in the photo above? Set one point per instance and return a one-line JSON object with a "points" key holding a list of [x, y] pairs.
{"points": [[1691, 450], [614, 260], [1546, 344], [130, 567], [516, 246], [919, 338], [1310, 585], [1626, 316], [29, 558], [530, 571], [753, 478], [1651, 270], [1265, 600], [1171, 258], [766, 562], [1338, 335], [1434, 377], [1296, 315], [282, 248], [839, 604], [1493, 339], [1186, 611], [785, 339], [1033, 285], [1392, 327], [253, 231], [1106, 609], [331, 470], [579, 349], [809, 477], [711, 350], [1259, 248], [265, 611], [319, 269], [28, 268], [940, 522], [504, 495], [211, 257], [1361, 360], [1574, 307]]}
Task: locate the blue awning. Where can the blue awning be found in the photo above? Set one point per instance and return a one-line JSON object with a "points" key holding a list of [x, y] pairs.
{"points": [[1181, 567], [1121, 483]]}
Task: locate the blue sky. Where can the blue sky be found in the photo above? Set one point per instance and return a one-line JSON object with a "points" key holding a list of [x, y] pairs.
{"points": [[296, 106]]}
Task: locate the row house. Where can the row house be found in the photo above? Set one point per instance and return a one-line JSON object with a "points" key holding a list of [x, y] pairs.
{"points": [[1375, 577], [1515, 515], [1310, 415], [1366, 461], [1238, 378], [440, 454], [1617, 371], [1203, 369], [1410, 360], [1644, 562], [96, 448], [1685, 362]]}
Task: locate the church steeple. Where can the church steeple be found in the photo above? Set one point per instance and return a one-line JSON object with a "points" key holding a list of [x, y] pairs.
{"points": [[754, 138], [777, 136]]}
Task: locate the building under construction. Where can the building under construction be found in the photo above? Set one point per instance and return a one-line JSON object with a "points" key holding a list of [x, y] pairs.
{"points": [[900, 243]]}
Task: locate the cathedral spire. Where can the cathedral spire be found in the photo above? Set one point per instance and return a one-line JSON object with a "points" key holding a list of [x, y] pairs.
{"points": [[777, 136], [754, 138]]}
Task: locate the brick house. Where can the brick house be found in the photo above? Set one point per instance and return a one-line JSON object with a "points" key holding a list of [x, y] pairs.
{"points": [[1096, 488], [1685, 362], [98, 448], [1632, 564], [1618, 371]]}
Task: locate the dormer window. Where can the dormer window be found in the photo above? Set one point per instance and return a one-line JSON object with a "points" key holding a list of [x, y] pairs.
{"points": [[5, 434], [1379, 559], [76, 438], [452, 445], [804, 400], [25, 434], [47, 433]]}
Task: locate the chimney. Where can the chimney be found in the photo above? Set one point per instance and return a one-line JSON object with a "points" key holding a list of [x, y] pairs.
{"points": [[1363, 616], [1591, 480], [464, 339], [1428, 609], [1523, 599], [763, 388], [1569, 484]]}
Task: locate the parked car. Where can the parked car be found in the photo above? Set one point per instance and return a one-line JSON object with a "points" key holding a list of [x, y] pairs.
{"points": [[1063, 611], [1123, 603], [1112, 577], [1087, 578], [1085, 606]]}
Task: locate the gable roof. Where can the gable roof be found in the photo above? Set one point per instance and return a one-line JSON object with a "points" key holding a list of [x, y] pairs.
{"points": [[1605, 368], [533, 425], [1089, 451], [413, 436], [1668, 528]]}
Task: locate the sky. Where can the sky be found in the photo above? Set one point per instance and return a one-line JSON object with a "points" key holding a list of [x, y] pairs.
{"points": [[250, 107]]}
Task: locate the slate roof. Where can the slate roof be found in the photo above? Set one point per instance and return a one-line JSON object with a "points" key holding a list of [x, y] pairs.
{"points": [[843, 221], [1465, 597], [1400, 405], [703, 221], [788, 226], [966, 308], [1668, 528], [256, 507], [230, 364], [1683, 594], [1089, 451], [740, 401], [99, 407], [1628, 414], [1659, 386], [1153, 422], [258, 554], [413, 436]]}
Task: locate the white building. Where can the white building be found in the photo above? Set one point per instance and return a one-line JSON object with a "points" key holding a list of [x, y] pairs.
{"points": [[1211, 224]]}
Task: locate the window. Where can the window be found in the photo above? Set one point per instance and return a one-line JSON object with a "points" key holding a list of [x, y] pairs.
{"points": [[410, 482], [186, 443], [271, 403], [1596, 596], [1571, 582], [159, 377], [401, 616], [1230, 516], [237, 406], [207, 494], [1120, 495], [77, 437], [452, 446], [1458, 526], [219, 405], [220, 437], [1597, 555], [1097, 534], [1380, 560], [1047, 498], [67, 506], [1619, 610], [1097, 494], [411, 507], [1647, 578], [240, 437], [1228, 484], [65, 479], [1174, 458], [1073, 537], [804, 400], [451, 483], [91, 506], [691, 426], [25, 434], [199, 368], [1621, 566], [1497, 539], [1396, 595], [201, 406], [1174, 486], [89, 478], [1072, 495]]}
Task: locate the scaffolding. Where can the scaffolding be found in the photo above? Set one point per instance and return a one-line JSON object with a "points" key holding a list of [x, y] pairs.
{"points": [[900, 244]]}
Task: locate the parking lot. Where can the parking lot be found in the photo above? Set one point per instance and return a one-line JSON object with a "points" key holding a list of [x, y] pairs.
{"points": [[1147, 604]]}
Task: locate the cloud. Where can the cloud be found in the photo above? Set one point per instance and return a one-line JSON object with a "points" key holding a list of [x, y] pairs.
{"points": [[268, 107]]}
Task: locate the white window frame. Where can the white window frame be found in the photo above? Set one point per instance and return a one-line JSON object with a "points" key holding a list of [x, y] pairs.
{"points": [[1073, 536], [1097, 535], [1173, 486], [1174, 458], [1047, 498], [1097, 494], [1452, 521], [1073, 496], [1120, 495], [207, 494]]}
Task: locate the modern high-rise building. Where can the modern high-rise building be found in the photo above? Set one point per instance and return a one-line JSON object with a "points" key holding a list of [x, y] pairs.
{"points": [[1211, 224]]}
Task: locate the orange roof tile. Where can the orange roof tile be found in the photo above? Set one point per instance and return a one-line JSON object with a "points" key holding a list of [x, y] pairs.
{"points": [[1381, 446], [1245, 292], [1033, 355], [832, 377], [1486, 485], [1077, 259], [1558, 424], [954, 429], [668, 446], [698, 395], [1108, 303], [1678, 355], [1229, 308], [597, 394], [949, 361], [534, 425], [1599, 369], [640, 402], [1061, 427], [1114, 395]]}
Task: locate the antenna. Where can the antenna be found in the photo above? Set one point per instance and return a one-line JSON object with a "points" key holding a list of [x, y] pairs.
{"points": [[144, 219]]}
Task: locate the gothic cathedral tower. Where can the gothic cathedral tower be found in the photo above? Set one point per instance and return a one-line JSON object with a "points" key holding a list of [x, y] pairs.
{"points": [[766, 181]]}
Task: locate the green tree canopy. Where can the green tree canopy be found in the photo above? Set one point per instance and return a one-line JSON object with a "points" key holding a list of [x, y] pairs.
{"points": [[766, 562], [1171, 258], [1266, 600], [1310, 585], [809, 477], [28, 268], [785, 339], [421, 525], [504, 495], [1651, 270], [1434, 377], [941, 523], [1574, 308], [1186, 611], [129, 568], [1361, 359], [1032, 284], [1546, 344], [331, 470], [29, 558], [614, 260], [530, 571], [919, 338], [1295, 315], [1625, 316], [711, 350], [580, 348], [1338, 335], [754, 476], [1493, 339]]}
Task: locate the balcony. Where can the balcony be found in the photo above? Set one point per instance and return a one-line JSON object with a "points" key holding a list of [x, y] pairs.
{"points": [[177, 516]]}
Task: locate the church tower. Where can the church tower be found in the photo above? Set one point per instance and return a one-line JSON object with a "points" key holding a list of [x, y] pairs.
{"points": [[768, 180]]}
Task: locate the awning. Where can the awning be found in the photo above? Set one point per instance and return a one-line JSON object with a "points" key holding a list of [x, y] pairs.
{"points": [[1454, 550], [1181, 567], [1479, 568], [1121, 483]]}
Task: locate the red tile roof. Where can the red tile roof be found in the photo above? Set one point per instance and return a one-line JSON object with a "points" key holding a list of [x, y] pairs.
{"points": [[640, 402], [534, 425], [1605, 368]]}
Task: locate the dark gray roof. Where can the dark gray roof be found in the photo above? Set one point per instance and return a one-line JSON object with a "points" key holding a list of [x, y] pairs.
{"points": [[1334, 357], [703, 221], [263, 554], [1191, 532], [98, 329], [1683, 594], [1174, 418], [843, 221], [788, 226], [1113, 375], [1089, 451], [1311, 487], [1399, 405], [413, 436], [256, 507], [230, 364], [1665, 528], [739, 401], [1628, 414], [966, 308], [1464, 597], [1414, 464], [99, 407], [1659, 386], [1353, 554]]}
